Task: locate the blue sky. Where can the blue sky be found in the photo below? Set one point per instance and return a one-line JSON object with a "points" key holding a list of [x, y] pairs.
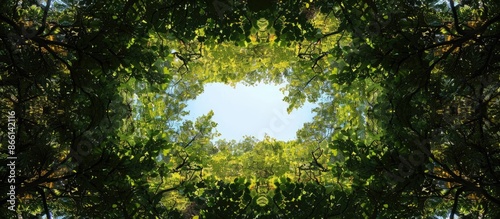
{"points": [[249, 110]]}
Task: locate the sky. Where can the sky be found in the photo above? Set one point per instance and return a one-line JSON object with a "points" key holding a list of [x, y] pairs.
{"points": [[249, 110]]}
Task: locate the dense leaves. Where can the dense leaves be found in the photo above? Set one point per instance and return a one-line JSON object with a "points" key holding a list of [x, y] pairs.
{"points": [[406, 124]]}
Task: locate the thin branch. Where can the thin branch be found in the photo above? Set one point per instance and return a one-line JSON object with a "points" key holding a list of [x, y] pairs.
{"points": [[44, 200], [316, 160], [184, 162], [331, 33], [10, 22], [455, 203], [455, 17], [54, 54], [165, 190], [44, 19], [191, 141]]}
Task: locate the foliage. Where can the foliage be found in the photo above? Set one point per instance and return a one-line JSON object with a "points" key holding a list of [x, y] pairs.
{"points": [[407, 123]]}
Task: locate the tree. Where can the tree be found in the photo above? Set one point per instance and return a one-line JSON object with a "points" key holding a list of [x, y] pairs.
{"points": [[406, 126], [61, 71], [434, 61]]}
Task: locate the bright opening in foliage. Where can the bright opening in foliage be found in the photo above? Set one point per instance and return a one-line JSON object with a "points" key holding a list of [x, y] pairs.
{"points": [[249, 111], [94, 101]]}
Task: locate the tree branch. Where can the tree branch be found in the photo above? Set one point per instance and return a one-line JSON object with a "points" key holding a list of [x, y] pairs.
{"points": [[44, 200], [455, 17], [331, 33], [191, 141], [455, 202], [9, 21], [44, 19]]}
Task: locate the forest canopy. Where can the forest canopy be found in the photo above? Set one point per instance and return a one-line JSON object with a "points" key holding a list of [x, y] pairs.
{"points": [[93, 94]]}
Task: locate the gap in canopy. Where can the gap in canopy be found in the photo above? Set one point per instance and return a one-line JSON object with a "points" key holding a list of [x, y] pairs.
{"points": [[244, 110]]}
